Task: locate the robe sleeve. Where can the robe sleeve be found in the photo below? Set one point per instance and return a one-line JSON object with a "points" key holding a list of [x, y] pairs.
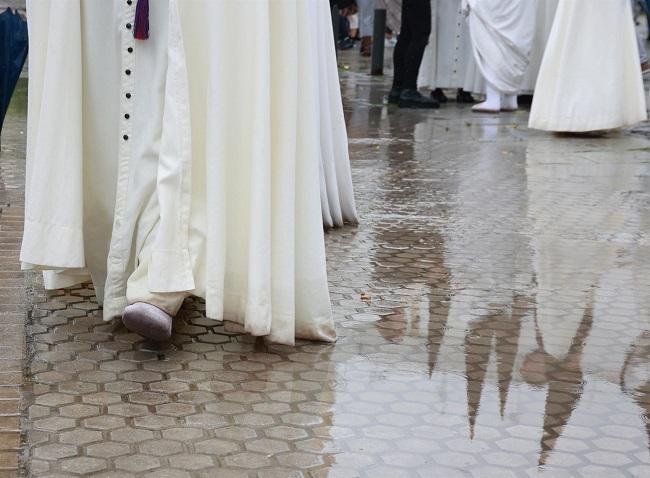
{"points": [[53, 236]]}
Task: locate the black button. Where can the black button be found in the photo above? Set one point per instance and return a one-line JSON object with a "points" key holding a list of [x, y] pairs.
{"points": [[128, 25], [128, 72], [130, 49], [128, 95], [126, 137], [127, 116]]}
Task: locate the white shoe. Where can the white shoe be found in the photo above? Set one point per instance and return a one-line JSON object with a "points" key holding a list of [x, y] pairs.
{"points": [[148, 321], [486, 107]]}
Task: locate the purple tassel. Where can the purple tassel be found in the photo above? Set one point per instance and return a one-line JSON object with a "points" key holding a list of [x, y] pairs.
{"points": [[141, 24]]}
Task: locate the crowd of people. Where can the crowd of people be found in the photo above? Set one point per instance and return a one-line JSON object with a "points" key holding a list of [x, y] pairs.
{"points": [[502, 50]]}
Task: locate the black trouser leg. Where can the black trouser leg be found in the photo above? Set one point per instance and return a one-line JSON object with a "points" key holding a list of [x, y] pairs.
{"points": [[418, 19], [401, 49]]}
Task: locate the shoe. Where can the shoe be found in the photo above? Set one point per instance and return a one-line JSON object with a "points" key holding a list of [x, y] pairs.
{"points": [[148, 321], [346, 44], [645, 68], [366, 46], [414, 99], [393, 95], [464, 97], [439, 96], [485, 108]]}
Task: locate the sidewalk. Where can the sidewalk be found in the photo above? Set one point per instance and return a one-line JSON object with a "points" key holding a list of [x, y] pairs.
{"points": [[492, 308]]}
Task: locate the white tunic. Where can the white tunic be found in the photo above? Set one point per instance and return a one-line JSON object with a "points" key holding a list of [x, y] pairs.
{"points": [[590, 77], [543, 23], [192, 163], [502, 39], [448, 60]]}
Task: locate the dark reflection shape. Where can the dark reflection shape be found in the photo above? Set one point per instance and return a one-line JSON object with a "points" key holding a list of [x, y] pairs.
{"points": [[501, 328], [635, 376], [408, 254], [564, 380]]}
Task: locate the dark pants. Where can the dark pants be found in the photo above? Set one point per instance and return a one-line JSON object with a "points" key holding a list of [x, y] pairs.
{"points": [[412, 41]]}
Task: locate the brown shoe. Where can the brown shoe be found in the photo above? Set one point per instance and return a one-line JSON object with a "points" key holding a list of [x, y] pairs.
{"points": [[366, 46]]}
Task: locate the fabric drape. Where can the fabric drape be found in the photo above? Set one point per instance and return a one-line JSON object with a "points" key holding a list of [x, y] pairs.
{"points": [[502, 38], [216, 191], [590, 78]]}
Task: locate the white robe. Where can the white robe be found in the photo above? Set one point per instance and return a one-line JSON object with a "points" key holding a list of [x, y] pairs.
{"points": [[590, 77], [543, 23], [211, 185], [502, 39], [449, 60]]}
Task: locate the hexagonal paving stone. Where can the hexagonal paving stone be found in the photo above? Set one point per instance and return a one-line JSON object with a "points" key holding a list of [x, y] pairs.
{"points": [[108, 449], [131, 435], [54, 424], [104, 422], [80, 436], [247, 460], [191, 462], [54, 399], [128, 410], [55, 451], [267, 446], [83, 465], [182, 434], [79, 411], [216, 447], [160, 447], [137, 463]]}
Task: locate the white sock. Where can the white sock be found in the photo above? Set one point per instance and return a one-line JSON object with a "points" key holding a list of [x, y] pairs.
{"points": [[492, 100], [509, 102]]}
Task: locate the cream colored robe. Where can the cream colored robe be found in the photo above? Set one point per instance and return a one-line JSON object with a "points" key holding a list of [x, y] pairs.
{"points": [[590, 78], [192, 163]]}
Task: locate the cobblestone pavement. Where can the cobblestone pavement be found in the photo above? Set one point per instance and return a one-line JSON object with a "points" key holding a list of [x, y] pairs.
{"points": [[493, 312]]}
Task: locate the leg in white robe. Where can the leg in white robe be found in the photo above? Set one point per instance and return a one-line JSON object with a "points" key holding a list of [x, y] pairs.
{"points": [[595, 84], [448, 60], [502, 37]]}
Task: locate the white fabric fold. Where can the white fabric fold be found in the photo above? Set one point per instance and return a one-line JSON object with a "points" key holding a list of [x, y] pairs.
{"points": [[502, 37]]}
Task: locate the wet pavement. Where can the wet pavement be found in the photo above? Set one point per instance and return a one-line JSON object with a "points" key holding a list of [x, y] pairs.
{"points": [[493, 311]]}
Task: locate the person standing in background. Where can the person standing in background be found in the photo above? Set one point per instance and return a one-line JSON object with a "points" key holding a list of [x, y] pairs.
{"points": [[413, 40], [448, 60], [366, 25]]}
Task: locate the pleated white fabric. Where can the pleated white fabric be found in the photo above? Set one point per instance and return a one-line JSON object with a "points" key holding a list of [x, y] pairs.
{"points": [[502, 38], [596, 83], [216, 191], [337, 193]]}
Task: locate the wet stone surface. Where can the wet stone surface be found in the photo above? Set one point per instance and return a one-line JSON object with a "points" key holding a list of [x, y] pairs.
{"points": [[492, 308]]}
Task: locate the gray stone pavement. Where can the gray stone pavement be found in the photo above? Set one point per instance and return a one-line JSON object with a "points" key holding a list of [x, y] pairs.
{"points": [[493, 311]]}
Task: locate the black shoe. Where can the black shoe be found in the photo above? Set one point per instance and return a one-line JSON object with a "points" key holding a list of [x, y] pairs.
{"points": [[414, 99], [393, 95], [439, 96], [525, 99], [346, 44], [464, 97]]}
